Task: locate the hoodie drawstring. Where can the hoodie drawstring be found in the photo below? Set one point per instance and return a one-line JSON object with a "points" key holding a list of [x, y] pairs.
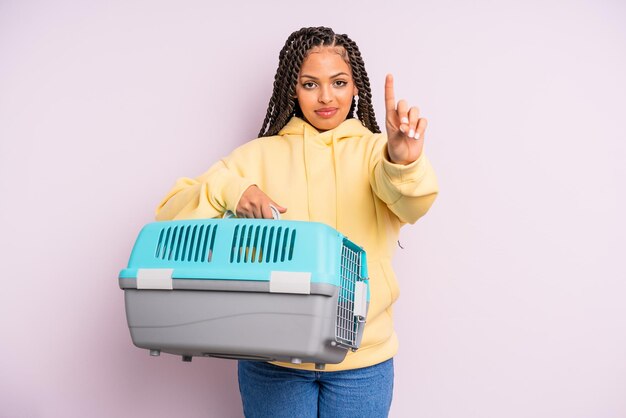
{"points": [[337, 194], [307, 175]]}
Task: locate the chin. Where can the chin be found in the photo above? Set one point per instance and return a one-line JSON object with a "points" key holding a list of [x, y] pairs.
{"points": [[326, 124]]}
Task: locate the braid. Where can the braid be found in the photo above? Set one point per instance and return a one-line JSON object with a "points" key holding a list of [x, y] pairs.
{"points": [[365, 109], [282, 105]]}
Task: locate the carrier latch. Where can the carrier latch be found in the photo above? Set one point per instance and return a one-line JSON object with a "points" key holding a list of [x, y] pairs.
{"points": [[155, 279], [360, 300]]}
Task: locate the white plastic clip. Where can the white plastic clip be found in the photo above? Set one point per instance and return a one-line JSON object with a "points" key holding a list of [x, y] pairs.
{"points": [[155, 279], [290, 282], [360, 300]]}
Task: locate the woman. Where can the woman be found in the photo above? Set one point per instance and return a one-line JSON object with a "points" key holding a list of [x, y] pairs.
{"points": [[315, 162]]}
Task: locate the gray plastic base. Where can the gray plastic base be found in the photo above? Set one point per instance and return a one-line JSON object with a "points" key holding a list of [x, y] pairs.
{"points": [[246, 325]]}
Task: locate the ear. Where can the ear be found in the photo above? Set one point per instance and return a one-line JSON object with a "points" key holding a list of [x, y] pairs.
{"points": [[355, 92]]}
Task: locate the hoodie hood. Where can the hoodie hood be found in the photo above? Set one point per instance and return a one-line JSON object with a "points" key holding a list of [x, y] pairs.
{"points": [[348, 128]]}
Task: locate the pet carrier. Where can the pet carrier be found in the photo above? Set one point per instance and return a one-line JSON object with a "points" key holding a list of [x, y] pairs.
{"points": [[259, 289]]}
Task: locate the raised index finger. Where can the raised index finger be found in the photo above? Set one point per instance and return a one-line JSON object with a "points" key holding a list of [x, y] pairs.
{"points": [[390, 99]]}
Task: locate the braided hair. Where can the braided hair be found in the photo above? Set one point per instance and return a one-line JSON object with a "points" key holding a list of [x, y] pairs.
{"points": [[283, 105]]}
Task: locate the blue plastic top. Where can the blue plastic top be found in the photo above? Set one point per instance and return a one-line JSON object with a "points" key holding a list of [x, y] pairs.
{"points": [[245, 249]]}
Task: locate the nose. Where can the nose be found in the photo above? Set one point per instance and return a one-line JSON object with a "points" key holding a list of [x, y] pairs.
{"points": [[325, 95]]}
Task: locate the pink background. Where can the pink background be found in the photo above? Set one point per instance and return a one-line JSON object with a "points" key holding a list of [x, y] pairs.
{"points": [[513, 286]]}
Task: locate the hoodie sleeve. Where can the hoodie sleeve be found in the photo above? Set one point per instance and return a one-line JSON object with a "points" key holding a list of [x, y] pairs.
{"points": [[408, 190], [206, 196]]}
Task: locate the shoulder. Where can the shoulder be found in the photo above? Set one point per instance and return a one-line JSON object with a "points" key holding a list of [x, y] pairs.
{"points": [[257, 143], [256, 147]]}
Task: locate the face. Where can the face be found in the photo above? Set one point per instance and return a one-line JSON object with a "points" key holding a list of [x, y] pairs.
{"points": [[325, 88]]}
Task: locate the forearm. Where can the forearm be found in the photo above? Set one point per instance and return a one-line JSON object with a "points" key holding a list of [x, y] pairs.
{"points": [[207, 196], [408, 190]]}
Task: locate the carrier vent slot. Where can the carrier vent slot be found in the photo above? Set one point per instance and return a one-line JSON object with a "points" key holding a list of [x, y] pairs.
{"points": [[347, 325], [262, 244], [188, 243]]}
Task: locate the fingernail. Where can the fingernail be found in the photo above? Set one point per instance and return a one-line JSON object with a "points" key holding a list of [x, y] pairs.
{"points": [[404, 120], [402, 129], [417, 135], [411, 133]]}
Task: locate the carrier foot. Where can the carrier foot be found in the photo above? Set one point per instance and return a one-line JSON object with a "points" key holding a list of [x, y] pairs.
{"points": [[296, 360], [320, 366], [187, 358], [155, 353]]}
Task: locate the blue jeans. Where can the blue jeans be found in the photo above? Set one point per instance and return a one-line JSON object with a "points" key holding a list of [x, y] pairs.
{"points": [[269, 391]]}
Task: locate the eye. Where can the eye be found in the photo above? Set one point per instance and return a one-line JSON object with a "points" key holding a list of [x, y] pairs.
{"points": [[340, 83], [308, 85]]}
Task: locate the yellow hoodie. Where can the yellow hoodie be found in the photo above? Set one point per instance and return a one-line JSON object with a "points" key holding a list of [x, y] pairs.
{"points": [[341, 177]]}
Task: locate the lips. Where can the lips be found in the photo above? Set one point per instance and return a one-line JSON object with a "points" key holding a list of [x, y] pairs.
{"points": [[327, 112]]}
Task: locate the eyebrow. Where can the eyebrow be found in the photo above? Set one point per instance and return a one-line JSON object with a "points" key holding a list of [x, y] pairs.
{"points": [[334, 76]]}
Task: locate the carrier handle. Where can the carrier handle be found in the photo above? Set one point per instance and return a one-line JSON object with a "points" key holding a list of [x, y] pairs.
{"points": [[275, 213]]}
